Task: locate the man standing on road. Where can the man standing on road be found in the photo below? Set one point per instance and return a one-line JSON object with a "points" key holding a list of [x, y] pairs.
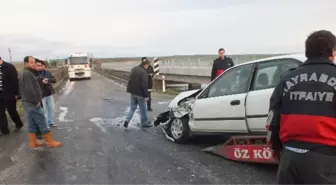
{"points": [[32, 95], [221, 64], [150, 72], [138, 88], [47, 88], [9, 92], [302, 116]]}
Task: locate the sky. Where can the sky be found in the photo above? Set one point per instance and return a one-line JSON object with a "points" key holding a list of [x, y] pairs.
{"points": [[127, 28]]}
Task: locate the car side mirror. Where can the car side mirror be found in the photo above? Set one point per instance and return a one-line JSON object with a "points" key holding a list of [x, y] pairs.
{"points": [[204, 93]]}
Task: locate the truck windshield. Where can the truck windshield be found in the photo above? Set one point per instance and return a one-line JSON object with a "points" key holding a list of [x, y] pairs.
{"points": [[78, 60]]}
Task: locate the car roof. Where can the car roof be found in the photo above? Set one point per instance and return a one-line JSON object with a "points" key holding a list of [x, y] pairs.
{"points": [[300, 57]]}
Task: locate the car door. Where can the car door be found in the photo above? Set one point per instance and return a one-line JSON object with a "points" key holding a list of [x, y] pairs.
{"points": [[221, 106], [265, 79]]}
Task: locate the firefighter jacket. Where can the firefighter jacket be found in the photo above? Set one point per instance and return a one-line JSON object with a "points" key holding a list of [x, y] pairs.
{"points": [[303, 109]]}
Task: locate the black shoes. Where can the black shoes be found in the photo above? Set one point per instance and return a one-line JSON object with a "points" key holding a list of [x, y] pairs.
{"points": [[4, 133], [149, 109], [146, 125], [17, 129], [125, 124]]}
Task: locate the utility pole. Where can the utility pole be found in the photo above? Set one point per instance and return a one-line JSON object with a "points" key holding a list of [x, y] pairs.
{"points": [[10, 55]]}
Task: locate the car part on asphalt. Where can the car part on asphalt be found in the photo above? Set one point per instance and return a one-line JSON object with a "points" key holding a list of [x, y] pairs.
{"points": [[252, 149]]}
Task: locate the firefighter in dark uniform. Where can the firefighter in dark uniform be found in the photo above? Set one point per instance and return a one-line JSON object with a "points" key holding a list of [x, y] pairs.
{"points": [[221, 64], [150, 72], [303, 116]]}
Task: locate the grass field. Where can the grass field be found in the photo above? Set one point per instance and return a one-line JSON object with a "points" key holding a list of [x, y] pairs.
{"points": [[19, 66]]}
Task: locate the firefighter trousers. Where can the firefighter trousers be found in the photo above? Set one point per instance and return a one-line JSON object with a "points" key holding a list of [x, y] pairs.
{"points": [[306, 168]]}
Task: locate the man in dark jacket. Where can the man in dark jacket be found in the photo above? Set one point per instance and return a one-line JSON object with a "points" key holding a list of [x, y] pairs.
{"points": [[9, 92], [31, 94], [47, 80], [150, 72], [40, 80], [138, 88], [302, 116], [221, 64]]}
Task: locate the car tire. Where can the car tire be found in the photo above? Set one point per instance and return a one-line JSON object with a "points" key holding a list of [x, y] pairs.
{"points": [[89, 78], [179, 130], [70, 79]]}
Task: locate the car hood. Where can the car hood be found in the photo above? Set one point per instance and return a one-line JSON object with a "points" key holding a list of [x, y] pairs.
{"points": [[181, 96]]}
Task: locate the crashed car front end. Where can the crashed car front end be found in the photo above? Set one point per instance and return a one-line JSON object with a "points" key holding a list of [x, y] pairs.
{"points": [[179, 107], [164, 119], [179, 111]]}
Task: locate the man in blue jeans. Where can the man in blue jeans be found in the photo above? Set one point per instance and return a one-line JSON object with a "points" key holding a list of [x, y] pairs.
{"points": [[48, 100], [31, 94], [138, 88]]}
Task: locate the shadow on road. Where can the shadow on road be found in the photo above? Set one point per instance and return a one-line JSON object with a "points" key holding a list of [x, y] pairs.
{"points": [[46, 168], [206, 141]]}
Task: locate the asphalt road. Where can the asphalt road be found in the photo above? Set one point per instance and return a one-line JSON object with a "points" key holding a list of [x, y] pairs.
{"points": [[98, 150]]}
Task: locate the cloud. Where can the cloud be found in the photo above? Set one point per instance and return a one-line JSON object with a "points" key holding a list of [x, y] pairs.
{"points": [[111, 28]]}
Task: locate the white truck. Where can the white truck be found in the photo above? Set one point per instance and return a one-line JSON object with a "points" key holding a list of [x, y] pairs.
{"points": [[79, 66]]}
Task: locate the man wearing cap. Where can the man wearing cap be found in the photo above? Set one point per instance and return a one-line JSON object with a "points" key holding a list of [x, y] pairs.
{"points": [[138, 88], [9, 92]]}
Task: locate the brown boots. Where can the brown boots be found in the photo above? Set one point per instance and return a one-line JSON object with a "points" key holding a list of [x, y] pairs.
{"points": [[48, 139], [32, 141]]}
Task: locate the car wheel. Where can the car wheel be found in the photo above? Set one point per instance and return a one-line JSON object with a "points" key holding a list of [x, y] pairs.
{"points": [[70, 79], [179, 129]]}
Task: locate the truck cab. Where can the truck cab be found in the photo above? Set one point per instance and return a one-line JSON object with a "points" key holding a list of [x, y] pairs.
{"points": [[79, 66]]}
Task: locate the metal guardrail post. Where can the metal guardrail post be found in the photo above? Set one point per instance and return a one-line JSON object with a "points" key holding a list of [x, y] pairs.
{"points": [[163, 84]]}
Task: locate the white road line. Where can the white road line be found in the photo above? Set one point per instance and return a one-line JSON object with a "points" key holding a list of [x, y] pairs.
{"points": [[163, 102], [98, 122], [62, 115]]}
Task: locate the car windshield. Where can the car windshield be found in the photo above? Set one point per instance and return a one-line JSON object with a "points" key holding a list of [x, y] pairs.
{"points": [[78, 60]]}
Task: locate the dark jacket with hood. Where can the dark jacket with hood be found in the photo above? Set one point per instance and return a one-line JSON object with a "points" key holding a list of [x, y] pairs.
{"points": [[138, 82], [219, 66], [10, 81], [48, 88], [303, 108]]}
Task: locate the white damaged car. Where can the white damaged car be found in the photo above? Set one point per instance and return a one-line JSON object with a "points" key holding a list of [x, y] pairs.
{"points": [[236, 102]]}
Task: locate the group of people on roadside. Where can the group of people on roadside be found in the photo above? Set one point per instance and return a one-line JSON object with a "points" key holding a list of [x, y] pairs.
{"points": [[34, 87], [35, 84]]}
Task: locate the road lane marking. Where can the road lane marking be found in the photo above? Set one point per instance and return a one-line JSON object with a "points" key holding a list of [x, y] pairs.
{"points": [[62, 115], [99, 123], [163, 102]]}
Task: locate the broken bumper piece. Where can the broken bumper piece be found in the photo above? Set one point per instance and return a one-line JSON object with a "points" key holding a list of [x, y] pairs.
{"points": [[163, 120]]}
